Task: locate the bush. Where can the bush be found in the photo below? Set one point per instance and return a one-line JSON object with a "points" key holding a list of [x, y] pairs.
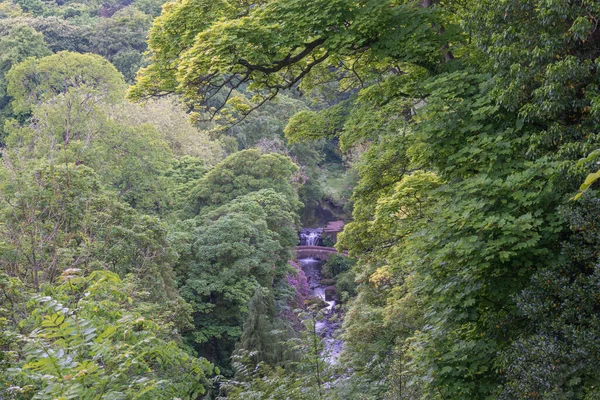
{"points": [[346, 285], [328, 241], [336, 264]]}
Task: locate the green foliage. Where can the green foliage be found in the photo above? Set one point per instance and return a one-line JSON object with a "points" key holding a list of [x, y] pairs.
{"points": [[237, 246], [303, 379], [9, 10], [346, 285], [337, 264], [316, 125], [259, 332], [84, 342], [196, 44], [341, 268], [32, 6], [467, 153], [267, 123], [17, 43], [468, 125], [59, 34], [60, 217], [562, 324], [233, 256], [74, 160], [591, 178], [175, 31], [35, 81], [12, 309], [121, 39], [116, 30], [76, 127], [129, 146], [310, 157], [149, 7], [173, 126], [272, 206], [245, 172]]}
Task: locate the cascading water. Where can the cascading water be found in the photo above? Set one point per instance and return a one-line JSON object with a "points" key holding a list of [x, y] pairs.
{"points": [[310, 237], [327, 325]]}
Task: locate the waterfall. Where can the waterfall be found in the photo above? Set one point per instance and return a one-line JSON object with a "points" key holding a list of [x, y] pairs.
{"points": [[310, 237]]}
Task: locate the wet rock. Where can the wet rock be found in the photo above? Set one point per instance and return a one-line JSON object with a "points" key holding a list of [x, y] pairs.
{"points": [[316, 303], [330, 293]]}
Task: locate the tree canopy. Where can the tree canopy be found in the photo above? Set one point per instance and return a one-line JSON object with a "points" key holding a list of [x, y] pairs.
{"points": [[469, 121], [147, 248], [35, 81]]}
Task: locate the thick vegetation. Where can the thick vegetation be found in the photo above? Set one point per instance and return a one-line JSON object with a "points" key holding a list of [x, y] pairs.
{"points": [[145, 251]]}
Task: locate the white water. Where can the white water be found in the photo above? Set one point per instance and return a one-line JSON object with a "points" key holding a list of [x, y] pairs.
{"points": [[328, 324], [310, 237]]}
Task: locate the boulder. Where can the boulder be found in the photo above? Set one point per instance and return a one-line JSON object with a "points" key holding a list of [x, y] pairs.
{"points": [[315, 303], [327, 282], [330, 293]]}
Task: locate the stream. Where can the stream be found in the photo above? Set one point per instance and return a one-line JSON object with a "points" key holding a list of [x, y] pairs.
{"points": [[331, 321]]}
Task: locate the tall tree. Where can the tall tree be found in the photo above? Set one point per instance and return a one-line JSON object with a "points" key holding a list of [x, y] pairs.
{"points": [[245, 172], [214, 57], [60, 217], [34, 81], [17, 43]]}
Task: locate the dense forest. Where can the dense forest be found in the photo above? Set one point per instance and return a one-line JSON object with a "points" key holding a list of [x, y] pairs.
{"points": [[161, 161]]}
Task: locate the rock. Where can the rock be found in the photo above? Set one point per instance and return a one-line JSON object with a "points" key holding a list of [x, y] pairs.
{"points": [[330, 293], [315, 303], [327, 282]]}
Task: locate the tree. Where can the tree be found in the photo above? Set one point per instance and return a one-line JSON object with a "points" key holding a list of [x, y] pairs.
{"points": [[35, 81], [168, 117], [556, 356], [307, 375], [59, 34], [274, 207], [232, 252], [224, 48], [231, 258], [237, 249], [76, 127], [245, 172], [257, 334], [494, 102], [17, 43], [121, 39], [60, 217], [83, 340]]}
